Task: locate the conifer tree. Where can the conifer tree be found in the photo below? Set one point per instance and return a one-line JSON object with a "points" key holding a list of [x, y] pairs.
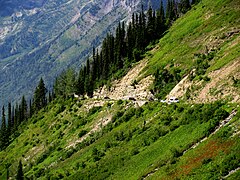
{"points": [[10, 125], [171, 13], [30, 108], [40, 100], [90, 87], [130, 40], [150, 25], [4, 135], [94, 65], [97, 66], [105, 60], [111, 47], [80, 82], [101, 65], [50, 97], [168, 11], [184, 6], [160, 24], [70, 79], [23, 109], [195, 1], [122, 40], [65, 84], [20, 175], [141, 31], [118, 46], [16, 117], [13, 120]]}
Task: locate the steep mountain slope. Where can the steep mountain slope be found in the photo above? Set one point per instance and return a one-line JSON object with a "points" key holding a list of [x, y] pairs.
{"points": [[8, 7], [117, 139], [204, 45], [41, 38]]}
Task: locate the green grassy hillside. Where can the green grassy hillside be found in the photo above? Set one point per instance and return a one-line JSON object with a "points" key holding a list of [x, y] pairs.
{"points": [[203, 41], [117, 139], [137, 141], [209, 26]]}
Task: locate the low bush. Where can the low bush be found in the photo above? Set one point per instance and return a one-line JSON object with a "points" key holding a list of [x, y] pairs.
{"points": [[94, 110], [82, 133]]}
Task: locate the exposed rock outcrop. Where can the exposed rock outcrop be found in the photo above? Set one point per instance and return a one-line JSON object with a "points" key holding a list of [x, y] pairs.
{"points": [[128, 88]]}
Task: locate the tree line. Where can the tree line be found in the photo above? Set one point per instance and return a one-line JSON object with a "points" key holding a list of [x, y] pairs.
{"points": [[120, 49], [20, 113], [117, 53]]}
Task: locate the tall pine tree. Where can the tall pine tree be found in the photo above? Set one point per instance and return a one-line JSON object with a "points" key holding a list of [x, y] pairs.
{"points": [[81, 82], [161, 21], [184, 6], [20, 175], [40, 99], [23, 109], [4, 134], [150, 25], [10, 125]]}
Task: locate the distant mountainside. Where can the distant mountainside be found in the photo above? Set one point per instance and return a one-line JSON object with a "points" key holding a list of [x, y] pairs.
{"points": [[8, 7], [41, 38]]}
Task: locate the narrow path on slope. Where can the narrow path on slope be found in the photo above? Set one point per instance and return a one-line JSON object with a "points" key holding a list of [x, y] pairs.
{"points": [[222, 124], [231, 172], [95, 128]]}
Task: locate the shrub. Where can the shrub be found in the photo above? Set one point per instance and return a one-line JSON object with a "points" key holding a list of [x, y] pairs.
{"points": [[75, 110], [82, 122], [94, 110], [96, 154], [107, 145], [117, 116], [119, 136], [225, 132], [79, 104], [176, 152], [129, 114], [59, 149], [139, 112], [134, 151], [39, 172], [60, 135], [173, 127], [119, 102], [166, 120], [221, 114], [137, 55], [206, 160], [58, 126], [60, 109], [34, 121], [82, 133], [65, 122], [146, 142], [42, 157], [206, 78], [68, 153]]}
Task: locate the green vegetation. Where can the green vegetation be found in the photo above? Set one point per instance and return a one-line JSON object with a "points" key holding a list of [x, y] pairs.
{"points": [[136, 141], [186, 37], [73, 138]]}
